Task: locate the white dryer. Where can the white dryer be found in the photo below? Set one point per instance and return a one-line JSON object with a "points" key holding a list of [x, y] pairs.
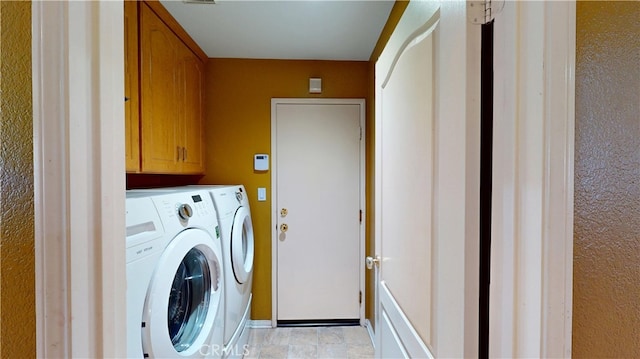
{"points": [[175, 287], [234, 217]]}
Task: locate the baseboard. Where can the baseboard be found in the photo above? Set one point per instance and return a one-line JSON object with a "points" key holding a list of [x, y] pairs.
{"points": [[372, 336], [259, 324]]}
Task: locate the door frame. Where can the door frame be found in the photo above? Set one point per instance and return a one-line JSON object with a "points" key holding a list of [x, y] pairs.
{"points": [[98, 330], [79, 184], [274, 209], [533, 166]]}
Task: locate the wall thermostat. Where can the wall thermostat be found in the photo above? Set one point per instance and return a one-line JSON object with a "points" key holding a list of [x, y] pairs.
{"points": [[261, 162]]}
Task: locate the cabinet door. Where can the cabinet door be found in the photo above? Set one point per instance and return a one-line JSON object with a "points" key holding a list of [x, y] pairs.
{"points": [[131, 105], [191, 108], [159, 57]]}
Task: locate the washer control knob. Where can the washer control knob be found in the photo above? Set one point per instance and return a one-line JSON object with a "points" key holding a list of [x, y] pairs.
{"points": [[185, 211]]}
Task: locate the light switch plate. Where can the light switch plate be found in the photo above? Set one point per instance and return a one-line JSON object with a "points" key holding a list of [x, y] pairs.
{"points": [[262, 194]]}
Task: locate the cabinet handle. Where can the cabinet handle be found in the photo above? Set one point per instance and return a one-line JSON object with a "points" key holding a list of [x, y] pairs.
{"points": [[178, 152], [184, 154]]}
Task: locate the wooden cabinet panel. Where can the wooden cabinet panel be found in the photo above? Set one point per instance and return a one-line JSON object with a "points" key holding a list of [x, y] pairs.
{"points": [[171, 100], [192, 112], [131, 104], [159, 74]]}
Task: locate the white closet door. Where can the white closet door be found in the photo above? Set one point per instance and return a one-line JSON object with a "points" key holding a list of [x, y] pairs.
{"points": [[427, 180]]}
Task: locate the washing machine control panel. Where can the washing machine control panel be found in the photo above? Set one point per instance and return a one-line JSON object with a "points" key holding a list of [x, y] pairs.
{"points": [[202, 208], [185, 209]]}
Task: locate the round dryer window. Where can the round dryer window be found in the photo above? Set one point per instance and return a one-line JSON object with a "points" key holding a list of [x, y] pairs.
{"points": [[242, 249], [183, 297]]}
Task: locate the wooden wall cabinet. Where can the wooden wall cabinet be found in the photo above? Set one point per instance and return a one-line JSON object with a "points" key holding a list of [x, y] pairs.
{"points": [[191, 111], [171, 97]]}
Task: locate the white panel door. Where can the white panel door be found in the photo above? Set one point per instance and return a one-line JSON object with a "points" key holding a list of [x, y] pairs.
{"points": [[317, 205], [427, 181]]}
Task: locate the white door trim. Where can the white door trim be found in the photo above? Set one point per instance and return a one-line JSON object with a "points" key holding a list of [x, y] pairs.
{"points": [[274, 209], [532, 244], [78, 89]]}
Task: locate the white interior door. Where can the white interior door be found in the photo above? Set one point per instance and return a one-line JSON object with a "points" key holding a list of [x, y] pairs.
{"points": [[317, 168], [427, 180]]}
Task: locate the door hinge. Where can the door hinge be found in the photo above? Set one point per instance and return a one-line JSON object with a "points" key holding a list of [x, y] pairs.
{"points": [[360, 133], [482, 12], [360, 298], [360, 216]]}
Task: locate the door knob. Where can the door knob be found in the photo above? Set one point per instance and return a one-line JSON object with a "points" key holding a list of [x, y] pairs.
{"points": [[371, 261], [284, 227]]}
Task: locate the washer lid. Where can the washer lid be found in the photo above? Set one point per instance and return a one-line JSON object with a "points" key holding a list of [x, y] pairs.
{"points": [[183, 297], [242, 246]]}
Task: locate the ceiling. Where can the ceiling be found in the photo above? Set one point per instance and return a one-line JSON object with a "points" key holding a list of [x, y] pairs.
{"points": [[289, 29]]}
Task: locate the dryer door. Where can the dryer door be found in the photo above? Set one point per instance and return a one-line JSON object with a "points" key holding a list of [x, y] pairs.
{"points": [[242, 245], [183, 297]]}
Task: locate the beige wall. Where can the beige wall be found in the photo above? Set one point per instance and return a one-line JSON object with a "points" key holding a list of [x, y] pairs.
{"points": [[606, 307], [238, 125], [17, 270]]}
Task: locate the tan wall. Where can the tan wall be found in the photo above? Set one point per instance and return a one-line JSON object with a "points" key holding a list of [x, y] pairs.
{"points": [[606, 306], [17, 269], [238, 125]]}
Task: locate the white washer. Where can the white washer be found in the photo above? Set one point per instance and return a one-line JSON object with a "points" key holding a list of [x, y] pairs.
{"points": [[175, 296], [234, 217]]}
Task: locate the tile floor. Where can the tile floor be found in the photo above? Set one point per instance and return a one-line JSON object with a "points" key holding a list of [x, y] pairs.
{"points": [[304, 342]]}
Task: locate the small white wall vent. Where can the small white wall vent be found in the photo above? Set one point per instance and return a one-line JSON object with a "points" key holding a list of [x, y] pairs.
{"points": [[315, 85]]}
